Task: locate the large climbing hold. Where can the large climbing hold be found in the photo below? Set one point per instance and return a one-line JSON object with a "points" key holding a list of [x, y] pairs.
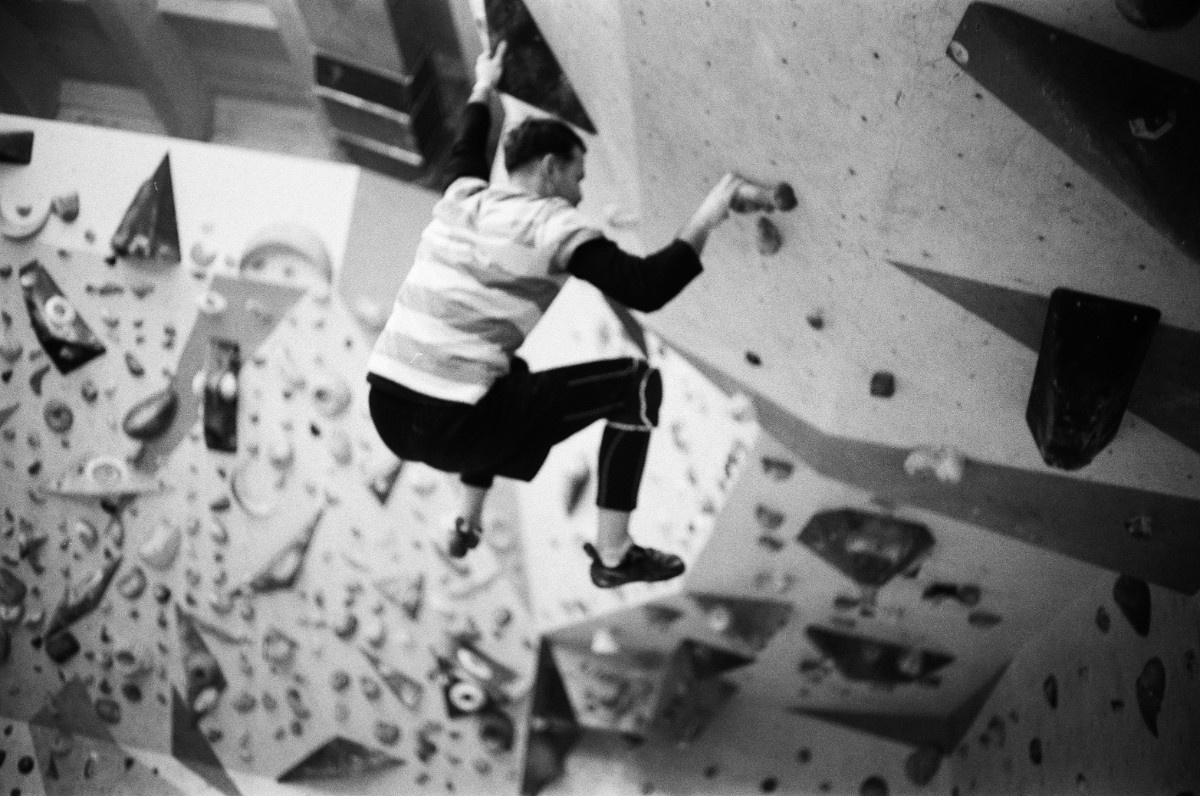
{"points": [[1092, 349], [149, 230]]}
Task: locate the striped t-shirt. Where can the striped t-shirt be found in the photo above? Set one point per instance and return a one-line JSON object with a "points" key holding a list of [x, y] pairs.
{"points": [[487, 268]]}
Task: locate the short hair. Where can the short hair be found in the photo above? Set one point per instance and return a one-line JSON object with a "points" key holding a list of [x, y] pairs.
{"points": [[533, 138]]}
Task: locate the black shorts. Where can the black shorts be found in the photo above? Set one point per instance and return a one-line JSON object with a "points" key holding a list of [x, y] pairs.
{"points": [[512, 428]]}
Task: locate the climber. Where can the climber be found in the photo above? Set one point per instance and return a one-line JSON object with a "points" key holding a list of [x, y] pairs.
{"points": [[447, 388]]}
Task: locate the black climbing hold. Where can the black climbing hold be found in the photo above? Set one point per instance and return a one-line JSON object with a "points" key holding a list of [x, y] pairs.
{"points": [[1151, 688], [1035, 751], [1102, 620], [25, 764], [922, 765], [753, 358], [1092, 349], [1132, 596], [816, 321], [769, 785], [873, 786], [16, 146], [883, 384], [1050, 690], [769, 240]]}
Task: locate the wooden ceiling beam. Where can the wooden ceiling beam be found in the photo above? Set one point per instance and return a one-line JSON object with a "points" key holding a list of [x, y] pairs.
{"points": [[158, 57]]}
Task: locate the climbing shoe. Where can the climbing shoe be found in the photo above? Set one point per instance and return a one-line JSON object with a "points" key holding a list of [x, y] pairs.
{"points": [[640, 564], [464, 536]]}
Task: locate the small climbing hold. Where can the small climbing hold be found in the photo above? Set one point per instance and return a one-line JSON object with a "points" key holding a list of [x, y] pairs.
{"points": [[959, 53], [873, 786], [134, 364], [211, 303], [945, 463], [387, 733], [1151, 688], [109, 710], [604, 642], [151, 417], [750, 197], [816, 320], [66, 206], [753, 358], [1102, 619], [984, 619], [922, 765], [777, 469], [883, 384], [132, 583], [1140, 527], [203, 257], [1035, 751], [1050, 690], [769, 240], [1132, 596], [160, 550]]}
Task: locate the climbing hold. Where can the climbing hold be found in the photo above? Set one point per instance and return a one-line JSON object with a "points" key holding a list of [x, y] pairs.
{"points": [[945, 463], [750, 197], [1035, 751], [1102, 619], [132, 583], [86, 533], [12, 588], [16, 146], [58, 416], [1132, 596], [922, 765], [66, 206], [959, 53], [387, 733], [151, 417], [1140, 527], [984, 619], [211, 303], [604, 642], [883, 384], [286, 247], [134, 364], [753, 358], [816, 320], [873, 786], [1091, 351], [63, 334], [1050, 690], [1151, 687], [148, 228], [160, 550], [203, 257], [256, 486], [20, 226], [769, 240], [331, 396]]}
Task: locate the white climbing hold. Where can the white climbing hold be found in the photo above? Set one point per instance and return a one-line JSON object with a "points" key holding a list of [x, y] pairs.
{"points": [[161, 549], [943, 462]]}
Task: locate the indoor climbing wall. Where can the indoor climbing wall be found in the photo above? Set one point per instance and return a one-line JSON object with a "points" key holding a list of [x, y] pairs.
{"points": [[214, 575], [894, 513], [905, 165], [1117, 666]]}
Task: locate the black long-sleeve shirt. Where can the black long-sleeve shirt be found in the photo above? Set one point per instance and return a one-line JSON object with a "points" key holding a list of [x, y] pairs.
{"points": [[641, 283]]}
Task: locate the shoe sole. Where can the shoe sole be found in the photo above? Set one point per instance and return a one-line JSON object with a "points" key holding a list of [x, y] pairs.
{"points": [[621, 582]]}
